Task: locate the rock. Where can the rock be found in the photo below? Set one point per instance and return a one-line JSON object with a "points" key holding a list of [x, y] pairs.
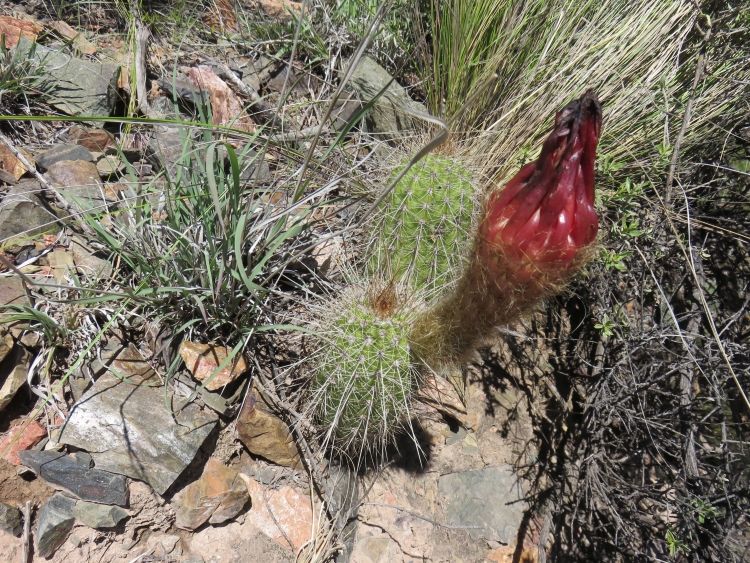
{"points": [[6, 344], [183, 90], [386, 119], [110, 165], [128, 429], [78, 181], [293, 84], [79, 40], [54, 524], [249, 172], [281, 8], [345, 109], [226, 108], [163, 544], [13, 29], [87, 262], [491, 498], [292, 512], [25, 439], [203, 359], [95, 140], [58, 153], [63, 267], [10, 519], [74, 86], [219, 495], [167, 145], [264, 433], [10, 163], [237, 542], [7, 178], [22, 215], [70, 474], [13, 376], [11, 289], [98, 515], [147, 509], [163, 108]]}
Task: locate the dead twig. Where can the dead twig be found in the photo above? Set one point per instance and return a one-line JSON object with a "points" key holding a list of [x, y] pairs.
{"points": [[26, 532]]}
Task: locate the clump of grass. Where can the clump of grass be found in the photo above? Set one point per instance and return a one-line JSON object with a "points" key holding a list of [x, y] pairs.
{"points": [[203, 250], [20, 74], [539, 55]]}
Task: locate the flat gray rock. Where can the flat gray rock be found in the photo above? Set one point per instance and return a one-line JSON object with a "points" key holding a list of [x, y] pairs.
{"points": [[98, 515], [59, 153], [75, 476], [386, 119], [22, 215], [489, 498], [10, 519], [54, 524], [75, 86], [127, 429]]}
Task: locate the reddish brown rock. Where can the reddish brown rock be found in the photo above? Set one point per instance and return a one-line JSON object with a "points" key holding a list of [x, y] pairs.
{"points": [[225, 105], [219, 495], [27, 438], [265, 434], [292, 512], [14, 29], [10, 163], [203, 359], [79, 40], [95, 140], [73, 173]]}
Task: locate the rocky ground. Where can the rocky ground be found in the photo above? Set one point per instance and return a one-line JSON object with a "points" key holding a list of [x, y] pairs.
{"points": [[112, 468]]}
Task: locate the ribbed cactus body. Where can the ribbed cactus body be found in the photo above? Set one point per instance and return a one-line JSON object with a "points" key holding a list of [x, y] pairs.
{"points": [[424, 227], [364, 376]]}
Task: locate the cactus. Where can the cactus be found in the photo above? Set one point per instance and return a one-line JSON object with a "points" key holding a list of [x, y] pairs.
{"points": [[532, 236], [364, 376], [423, 231]]}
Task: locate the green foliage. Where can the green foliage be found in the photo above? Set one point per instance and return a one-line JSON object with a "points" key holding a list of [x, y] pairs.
{"points": [[607, 326], [676, 545], [423, 234], [364, 378], [36, 321], [204, 248]]}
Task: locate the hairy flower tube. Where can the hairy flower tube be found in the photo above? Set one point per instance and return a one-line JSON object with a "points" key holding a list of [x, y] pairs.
{"points": [[532, 236]]}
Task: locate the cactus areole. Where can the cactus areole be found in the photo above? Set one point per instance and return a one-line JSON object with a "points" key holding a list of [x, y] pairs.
{"points": [[545, 215]]}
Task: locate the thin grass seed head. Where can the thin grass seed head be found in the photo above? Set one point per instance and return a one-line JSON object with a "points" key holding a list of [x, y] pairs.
{"points": [[423, 231]]}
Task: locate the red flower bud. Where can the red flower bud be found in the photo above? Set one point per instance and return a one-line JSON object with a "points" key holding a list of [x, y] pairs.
{"points": [[545, 215], [530, 239]]}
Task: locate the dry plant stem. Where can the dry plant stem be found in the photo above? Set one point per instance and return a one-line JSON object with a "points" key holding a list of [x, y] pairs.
{"points": [[141, 50], [700, 67], [26, 532], [43, 181], [543, 533]]}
